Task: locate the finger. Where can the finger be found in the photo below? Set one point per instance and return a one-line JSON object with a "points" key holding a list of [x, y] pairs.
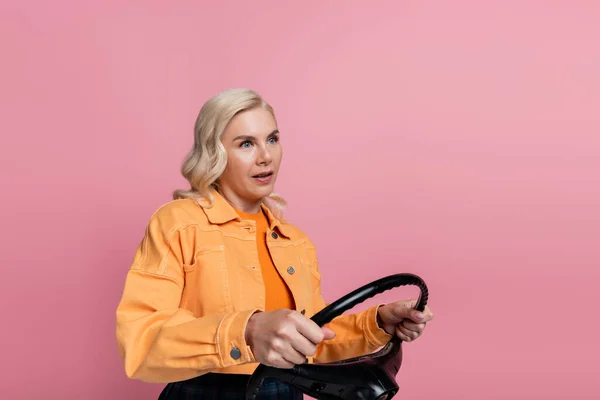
{"points": [[303, 346], [401, 310], [408, 333], [294, 356], [428, 313], [278, 361], [402, 335], [310, 330], [329, 334], [418, 316], [412, 326]]}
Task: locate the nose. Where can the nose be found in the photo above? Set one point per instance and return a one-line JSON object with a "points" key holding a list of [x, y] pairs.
{"points": [[264, 156]]}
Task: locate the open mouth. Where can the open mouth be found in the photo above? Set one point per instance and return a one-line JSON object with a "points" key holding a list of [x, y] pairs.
{"points": [[263, 174]]}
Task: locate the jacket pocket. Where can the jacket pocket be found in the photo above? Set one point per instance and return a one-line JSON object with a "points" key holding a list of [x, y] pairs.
{"points": [[207, 282]]}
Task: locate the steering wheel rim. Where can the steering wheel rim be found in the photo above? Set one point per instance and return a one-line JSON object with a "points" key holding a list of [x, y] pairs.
{"points": [[369, 290], [337, 308]]}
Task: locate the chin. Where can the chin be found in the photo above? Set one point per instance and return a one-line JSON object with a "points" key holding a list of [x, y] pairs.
{"points": [[262, 192]]}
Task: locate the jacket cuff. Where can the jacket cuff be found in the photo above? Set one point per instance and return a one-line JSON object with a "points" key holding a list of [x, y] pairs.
{"points": [[373, 333], [232, 346]]}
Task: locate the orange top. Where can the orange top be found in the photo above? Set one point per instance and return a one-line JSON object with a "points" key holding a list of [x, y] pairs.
{"points": [[278, 295]]}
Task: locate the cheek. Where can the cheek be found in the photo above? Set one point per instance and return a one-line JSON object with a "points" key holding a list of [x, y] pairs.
{"points": [[277, 155], [239, 163], [244, 161]]}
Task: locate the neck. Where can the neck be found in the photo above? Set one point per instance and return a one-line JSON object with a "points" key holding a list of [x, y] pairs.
{"points": [[239, 203]]}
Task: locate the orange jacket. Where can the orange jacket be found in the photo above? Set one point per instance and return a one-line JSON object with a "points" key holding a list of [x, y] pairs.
{"points": [[192, 287]]}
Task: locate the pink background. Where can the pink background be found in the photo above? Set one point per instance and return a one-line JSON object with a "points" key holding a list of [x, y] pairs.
{"points": [[456, 140]]}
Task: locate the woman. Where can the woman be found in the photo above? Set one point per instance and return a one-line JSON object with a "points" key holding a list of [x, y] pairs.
{"points": [[220, 282]]}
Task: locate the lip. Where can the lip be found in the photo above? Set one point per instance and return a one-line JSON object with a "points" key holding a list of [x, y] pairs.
{"points": [[264, 179], [269, 172]]}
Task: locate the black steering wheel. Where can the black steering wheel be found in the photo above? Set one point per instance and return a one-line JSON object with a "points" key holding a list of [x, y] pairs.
{"points": [[368, 377]]}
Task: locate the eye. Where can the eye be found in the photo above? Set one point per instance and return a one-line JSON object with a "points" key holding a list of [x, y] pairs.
{"points": [[245, 144], [273, 140]]}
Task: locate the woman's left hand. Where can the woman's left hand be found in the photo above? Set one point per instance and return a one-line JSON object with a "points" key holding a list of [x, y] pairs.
{"points": [[402, 319]]}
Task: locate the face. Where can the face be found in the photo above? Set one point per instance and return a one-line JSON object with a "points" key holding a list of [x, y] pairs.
{"points": [[254, 153]]}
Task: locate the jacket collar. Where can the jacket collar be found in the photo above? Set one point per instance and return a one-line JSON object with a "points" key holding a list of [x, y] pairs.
{"points": [[222, 212]]}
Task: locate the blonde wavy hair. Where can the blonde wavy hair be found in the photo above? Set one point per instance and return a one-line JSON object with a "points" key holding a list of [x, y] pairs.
{"points": [[206, 161]]}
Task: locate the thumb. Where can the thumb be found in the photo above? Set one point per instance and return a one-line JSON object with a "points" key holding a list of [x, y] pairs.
{"points": [[404, 310], [329, 334]]}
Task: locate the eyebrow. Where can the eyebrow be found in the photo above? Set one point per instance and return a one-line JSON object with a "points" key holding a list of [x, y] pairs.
{"points": [[249, 137]]}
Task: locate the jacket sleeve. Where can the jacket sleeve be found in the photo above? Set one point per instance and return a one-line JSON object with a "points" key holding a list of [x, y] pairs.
{"points": [[159, 341], [356, 334]]}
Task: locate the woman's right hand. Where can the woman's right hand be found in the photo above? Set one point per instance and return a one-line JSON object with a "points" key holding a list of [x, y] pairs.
{"points": [[284, 338]]}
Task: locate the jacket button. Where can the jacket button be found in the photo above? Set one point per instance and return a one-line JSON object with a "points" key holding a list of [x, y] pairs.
{"points": [[235, 354], [291, 270], [274, 235]]}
